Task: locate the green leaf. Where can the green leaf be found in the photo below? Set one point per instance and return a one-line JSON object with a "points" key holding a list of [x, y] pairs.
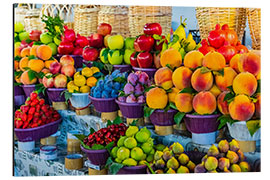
{"points": [[120, 79], [92, 130], [109, 146], [105, 53], [17, 84], [18, 73], [148, 111], [111, 51], [157, 37], [134, 122], [187, 90], [115, 167], [109, 123], [166, 109], [224, 119], [258, 90], [32, 57], [169, 90], [81, 137], [178, 117], [150, 168], [205, 70], [221, 72], [146, 89], [175, 38], [169, 66], [97, 147], [164, 47], [31, 75], [68, 95], [253, 126], [136, 54], [229, 96], [108, 67], [37, 43], [117, 120], [109, 162], [17, 58], [172, 105], [230, 88], [98, 74]]}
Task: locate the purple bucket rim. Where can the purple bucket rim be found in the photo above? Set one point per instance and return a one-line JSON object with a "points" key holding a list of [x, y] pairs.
{"points": [[72, 55], [93, 151], [128, 104], [28, 85], [36, 128], [121, 65], [102, 99], [86, 61], [145, 69], [163, 111], [135, 167], [56, 89], [203, 116]]}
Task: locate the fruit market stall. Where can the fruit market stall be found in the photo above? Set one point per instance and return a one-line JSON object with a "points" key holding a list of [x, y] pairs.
{"points": [[102, 98]]}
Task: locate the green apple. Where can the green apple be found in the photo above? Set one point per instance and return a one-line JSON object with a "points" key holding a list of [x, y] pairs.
{"points": [[102, 57], [17, 44], [23, 36], [56, 40], [18, 27], [116, 58], [129, 43], [127, 55], [53, 47], [116, 42], [45, 38]]}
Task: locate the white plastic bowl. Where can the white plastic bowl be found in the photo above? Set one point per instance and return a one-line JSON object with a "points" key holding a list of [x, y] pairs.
{"points": [[80, 100]]}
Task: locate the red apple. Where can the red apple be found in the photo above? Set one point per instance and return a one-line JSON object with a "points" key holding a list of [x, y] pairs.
{"points": [[96, 40], [60, 81], [145, 60], [34, 35], [77, 51], [65, 47], [48, 82], [104, 29], [81, 41], [144, 43], [152, 28], [133, 60], [90, 54], [68, 70], [158, 45], [55, 67]]}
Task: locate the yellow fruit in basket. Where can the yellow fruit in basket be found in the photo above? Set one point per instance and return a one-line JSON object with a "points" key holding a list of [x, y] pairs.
{"points": [[70, 84], [95, 70], [91, 81], [79, 80], [85, 89], [77, 73], [72, 88], [87, 72]]}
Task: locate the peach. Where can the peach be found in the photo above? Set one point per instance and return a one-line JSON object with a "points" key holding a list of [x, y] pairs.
{"points": [[241, 108], [66, 59], [163, 78], [250, 62], [44, 52], [193, 59], [171, 57], [201, 81], [215, 90], [172, 94], [33, 50], [25, 52], [226, 80], [68, 70], [245, 83], [23, 63], [258, 106], [45, 71], [25, 78], [16, 65], [204, 103], [17, 52], [156, 98], [183, 102], [214, 61], [258, 77], [234, 62], [221, 104], [36, 65], [48, 82], [55, 67], [60, 81], [49, 62], [181, 77]]}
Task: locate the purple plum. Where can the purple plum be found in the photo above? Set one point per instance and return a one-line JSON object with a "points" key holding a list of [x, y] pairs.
{"points": [[132, 78], [141, 99], [128, 88], [143, 77], [139, 89], [131, 99], [122, 98]]}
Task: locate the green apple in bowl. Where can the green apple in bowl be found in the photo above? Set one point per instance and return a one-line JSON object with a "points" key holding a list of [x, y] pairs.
{"points": [[23, 36], [129, 43], [46, 38], [18, 27], [53, 47], [115, 58], [115, 42], [127, 55], [103, 55]]}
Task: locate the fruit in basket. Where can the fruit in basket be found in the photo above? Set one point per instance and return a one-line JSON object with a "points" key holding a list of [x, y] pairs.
{"points": [[90, 54], [213, 151], [172, 163], [139, 89], [232, 156], [241, 49], [25, 78], [183, 102], [234, 146], [132, 130], [104, 29], [68, 70], [181, 77], [48, 81], [79, 80], [46, 38], [115, 42], [199, 169], [53, 47], [81, 41], [172, 94], [216, 37], [244, 166], [145, 60], [56, 40], [115, 58], [65, 47], [84, 89], [229, 35], [204, 103], [69, 35], [191, 166], [23, 63], [137, 154], [177, 148], [215, 90], [123, 153], [66, 59], [18, 27], [131, 99], [205, 48], [201, 80], [23, 36], [77, 51], [36, 65], [156, 98], [258, 106], [211, 163], [159, 43], [34, 35], [245, 83], [133, 60], [225, 80], [182, 169], [223, 163], [250, 62], [223, 146], [129, 162], [171, 57], [55, 67], [44, 52], [152, 28], [25, 52], [192, 43], [60, 81], [95, 40], [214, 61], [193, 59], [129, 43], [127, 55], [183, 159], [143, 135], [144, 43], [235, 168], [228, 51], [163, 78]]}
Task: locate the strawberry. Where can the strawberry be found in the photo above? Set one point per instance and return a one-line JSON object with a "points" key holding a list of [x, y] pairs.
{"points": [[30, 117], [24, 108], [18, 113], [47, 114], [43, 118], [34, 125], [41, 102], [44, 108], [36, 119], [31, 110], [39, 122], [36, 114], [18, 123], [34, 102], [28, 101], [25, 124], [24, 117], [38, 108], [33, 96]]}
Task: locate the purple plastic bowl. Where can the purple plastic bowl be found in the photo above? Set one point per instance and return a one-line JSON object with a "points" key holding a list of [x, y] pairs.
{"points": [[149, 71], [104, 104], [96, 157], [201, 123], [54, 94], [18, 90], [19, 100], [122, 68], [57, 57], [28, 89], [78, 60], [131, 110], [34, 134], [87, 63], [162, 118], [133, 170]]}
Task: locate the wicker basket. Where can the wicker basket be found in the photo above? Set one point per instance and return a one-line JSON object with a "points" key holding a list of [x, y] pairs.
{"points": [[20, 12], [32, 20], [254, 21], [117, 17], [65, 12], [86, 19], [208, 17], [140, 15]]}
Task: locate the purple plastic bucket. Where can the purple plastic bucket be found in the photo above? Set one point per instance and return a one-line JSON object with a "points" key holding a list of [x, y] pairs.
{"points": [[104, 104], [58, 56], [201, 123], [133, 170], [87, 63], [78, 61], [131, 110], [18, 90], [28, 89], [122, 68], [34, 134], [162, 118], [56, 95], [19, 96], [96, 157], [149, 71]]}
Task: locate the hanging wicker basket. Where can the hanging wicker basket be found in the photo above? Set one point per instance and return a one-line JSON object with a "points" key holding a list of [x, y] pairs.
{"points": [[140, 15], [254, 21], [20, 12], [65, 12], [86, 19], [32, 20], [208, 17], [117, 17]]}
